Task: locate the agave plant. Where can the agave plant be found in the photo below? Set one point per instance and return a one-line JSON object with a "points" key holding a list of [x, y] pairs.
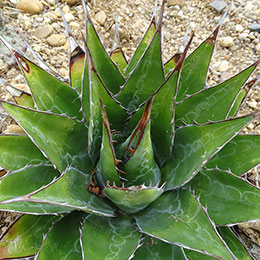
{"points": [[130, 159]]}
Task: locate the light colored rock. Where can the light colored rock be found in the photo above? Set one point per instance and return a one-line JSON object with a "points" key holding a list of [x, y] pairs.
{"points": [[257, 47], [43, 31], [239, 28], [30, 6], [72, 2], [101, 17], [218, 5], [65, 9], [249, 7], [69, 17], [57, 13], [175, 2], [226, 42], [221, 66], [56, 40], [253, 104], [14, 129]]}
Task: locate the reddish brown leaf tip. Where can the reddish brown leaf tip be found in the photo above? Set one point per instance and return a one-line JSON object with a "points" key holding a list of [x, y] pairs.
{"points": [[212, 38], [22, 61]]}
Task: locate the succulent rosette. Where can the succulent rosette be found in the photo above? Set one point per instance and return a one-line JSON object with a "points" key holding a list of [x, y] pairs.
{"points": [[129, 159]]}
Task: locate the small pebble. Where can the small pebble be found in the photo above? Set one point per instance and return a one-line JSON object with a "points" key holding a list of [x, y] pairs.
{"points": [[175, 2], [30, 6], [72, 2], [218, 5], [101, 17], [226, 42], [56, 40], [43, 31], [239, 28], [254, 27], [69, 17]]}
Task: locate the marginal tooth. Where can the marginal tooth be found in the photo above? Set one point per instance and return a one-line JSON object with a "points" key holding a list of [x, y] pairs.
{"points": [[123, 185], [163, 185], [108, 184], [114, 185]]}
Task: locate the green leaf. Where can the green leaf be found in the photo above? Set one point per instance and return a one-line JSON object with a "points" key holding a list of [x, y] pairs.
{"points": [[107, 167], [154, 249], [237, 155], [26, 180], [212, 104], [226, 196], [147, 76], [134, 198], [17, 189], [116, 113], [113, 80], [143, 45], [109, 238], [70, 190], [195, 67], [18, 242], [195, 145], [63, 239], [137, 156], [22, 149], [49, 93], [233, 243], [62, 139], [177, 217]]}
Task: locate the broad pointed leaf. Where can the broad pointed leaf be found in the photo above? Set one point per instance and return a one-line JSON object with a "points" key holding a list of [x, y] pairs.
{"points": [[113, 80], [137, 154], [63, 140], [22, 149], [134, 198], [18, 242], [115, 112], [153, 249], [70, 190], [140, 50], [117, 238], [239, 155], [212, 104], [182, 222], [147, 77], [195, 145], [195, 67], [63, 239], [49, 93], [226, 196]]}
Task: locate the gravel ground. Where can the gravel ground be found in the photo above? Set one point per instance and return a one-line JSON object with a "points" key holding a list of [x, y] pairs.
{"points": [[237, 48]]}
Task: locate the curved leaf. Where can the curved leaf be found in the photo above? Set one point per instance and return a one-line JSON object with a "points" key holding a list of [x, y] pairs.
{"points": [[226, 196], [177, 218], [22, 149], [117, 238], [144, 43], [63, 239], [113, 80], [62, 139], [195, 67], [212, 104], [237, 155], [195, 145], [49, 93], [147, 76], [24, 237]]}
